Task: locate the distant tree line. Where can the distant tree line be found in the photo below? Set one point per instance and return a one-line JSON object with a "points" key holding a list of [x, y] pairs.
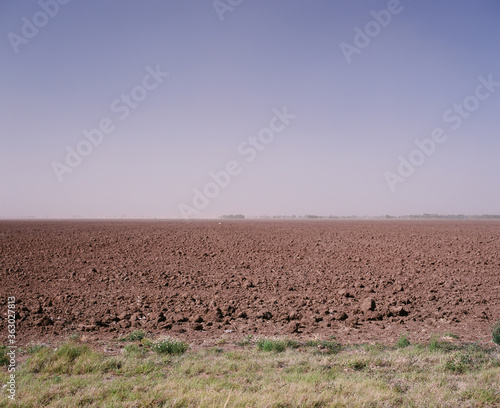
{"points": [[402, 217]]}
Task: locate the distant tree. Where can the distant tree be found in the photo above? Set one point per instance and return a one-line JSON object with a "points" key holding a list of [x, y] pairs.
{"points": [[233, 217]]}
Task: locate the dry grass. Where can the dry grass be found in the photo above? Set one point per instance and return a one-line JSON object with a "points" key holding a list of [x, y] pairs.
{"points": [[290, 374]]}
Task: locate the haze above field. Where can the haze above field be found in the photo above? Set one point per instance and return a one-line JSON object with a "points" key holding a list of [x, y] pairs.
{"points": [[261, 107]]}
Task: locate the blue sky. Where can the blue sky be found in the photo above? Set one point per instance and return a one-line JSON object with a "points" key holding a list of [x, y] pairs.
{"points": [[352, 122]]}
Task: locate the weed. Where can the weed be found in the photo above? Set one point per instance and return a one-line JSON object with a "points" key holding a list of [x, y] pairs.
{"points": [[71, 352], [444, 346], [403, 341], [495, 332], [4, 360], [471, 357], [277, 345], [247, 340], [133, 350], [215, 351], [61, 360], [75, 336], [147, 343], [457, 364], [375, 348], [271, 345], [357, 365], [329, 346], [169, 346], [34, 348], [134, 336]]}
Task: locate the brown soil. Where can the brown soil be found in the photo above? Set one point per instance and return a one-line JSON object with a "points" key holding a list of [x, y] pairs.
{"points": [[355, 280]]}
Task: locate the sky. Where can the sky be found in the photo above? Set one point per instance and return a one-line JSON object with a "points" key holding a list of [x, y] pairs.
{"points": [[195, 109]]}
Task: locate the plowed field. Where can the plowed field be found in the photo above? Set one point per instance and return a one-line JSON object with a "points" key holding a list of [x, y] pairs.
{"points": [[204, 280]]}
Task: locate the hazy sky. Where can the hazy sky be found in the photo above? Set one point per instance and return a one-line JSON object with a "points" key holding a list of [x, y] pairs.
{"points": [[295, 107]]}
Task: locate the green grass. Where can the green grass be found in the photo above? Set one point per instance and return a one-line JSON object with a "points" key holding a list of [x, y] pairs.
{"points": [[133, 350], [441, 346], [328, 346], [33, 348], [169, 346], [403, 341], [69, 359], [495, 332], [4, 360], [277, 345], [134, 336], [291, 374]]}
